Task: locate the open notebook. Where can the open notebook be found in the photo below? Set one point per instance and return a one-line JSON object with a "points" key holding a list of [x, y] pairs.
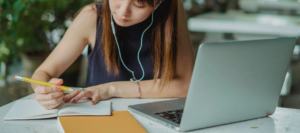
{"points": [[31, 109]]}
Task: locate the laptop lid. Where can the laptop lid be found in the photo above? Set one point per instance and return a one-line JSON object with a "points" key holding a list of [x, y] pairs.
{"points": [[235, 81]]}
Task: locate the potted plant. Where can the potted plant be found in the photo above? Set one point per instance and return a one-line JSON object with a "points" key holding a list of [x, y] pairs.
{"points": [[30, 29]]}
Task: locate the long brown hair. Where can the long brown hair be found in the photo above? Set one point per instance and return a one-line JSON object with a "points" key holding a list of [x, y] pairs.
{"points": [[163, 39]]}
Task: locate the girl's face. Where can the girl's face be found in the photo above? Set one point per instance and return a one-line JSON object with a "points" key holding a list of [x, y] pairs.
{"points": [[129, 12]]}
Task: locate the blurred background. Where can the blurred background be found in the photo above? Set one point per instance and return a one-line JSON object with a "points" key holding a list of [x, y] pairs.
{"points": [[30, 30]]}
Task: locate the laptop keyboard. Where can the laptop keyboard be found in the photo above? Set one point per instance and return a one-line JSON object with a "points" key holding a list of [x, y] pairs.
{"points": [[174, 115]]}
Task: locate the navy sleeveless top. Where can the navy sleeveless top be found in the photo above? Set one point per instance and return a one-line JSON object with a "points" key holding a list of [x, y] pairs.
{"points": [[129, 41]]}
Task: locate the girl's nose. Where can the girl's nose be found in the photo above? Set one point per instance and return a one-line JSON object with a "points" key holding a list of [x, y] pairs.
{"points": [[125, 10]]}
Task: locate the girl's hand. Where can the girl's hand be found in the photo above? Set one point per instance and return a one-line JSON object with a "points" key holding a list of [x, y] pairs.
{"points": [[96, 93], [49, 97]]}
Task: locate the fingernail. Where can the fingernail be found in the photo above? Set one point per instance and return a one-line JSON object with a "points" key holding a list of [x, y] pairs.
{"points": [[72, 100], [58, 88], [66, 100]]}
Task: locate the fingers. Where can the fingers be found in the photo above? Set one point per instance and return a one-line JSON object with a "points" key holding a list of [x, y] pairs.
{"points": [[50, 100], [46, 90], [75, 96], [79, 96], [95, 99], [71, 95], [49, 96], [56, 81], [50, 104]]}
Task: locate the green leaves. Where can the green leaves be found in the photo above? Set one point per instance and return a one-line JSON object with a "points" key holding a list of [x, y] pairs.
{"points": [[18, 5], [24, 24], [4, 52]]}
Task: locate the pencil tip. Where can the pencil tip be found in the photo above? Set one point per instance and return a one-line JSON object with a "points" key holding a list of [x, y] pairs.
{"points": [[71, 90]]}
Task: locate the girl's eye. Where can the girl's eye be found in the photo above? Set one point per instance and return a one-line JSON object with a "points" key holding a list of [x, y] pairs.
{"points": [[139, 4]]}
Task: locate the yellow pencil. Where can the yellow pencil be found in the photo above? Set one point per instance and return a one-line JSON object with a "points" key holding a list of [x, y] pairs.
{"points": [[64, 88]]}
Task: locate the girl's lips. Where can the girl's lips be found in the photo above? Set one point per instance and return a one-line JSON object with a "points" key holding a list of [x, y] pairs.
{"points": [[122, 20]]}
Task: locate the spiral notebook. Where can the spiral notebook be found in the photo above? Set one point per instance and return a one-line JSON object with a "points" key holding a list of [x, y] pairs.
{"points": [[31, 109]]}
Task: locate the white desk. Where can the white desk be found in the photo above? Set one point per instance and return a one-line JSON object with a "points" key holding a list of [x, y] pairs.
{"points": [[284, 120]]}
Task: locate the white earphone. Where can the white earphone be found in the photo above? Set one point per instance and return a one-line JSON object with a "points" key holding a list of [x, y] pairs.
{"points": [[138, 58]]}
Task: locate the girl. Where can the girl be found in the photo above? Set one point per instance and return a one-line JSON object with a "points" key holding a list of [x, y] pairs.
{"points": [[137, 49]]}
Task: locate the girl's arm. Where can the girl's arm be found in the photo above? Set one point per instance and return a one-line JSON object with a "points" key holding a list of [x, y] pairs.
{"points": [[178, 87], [80, 33]]}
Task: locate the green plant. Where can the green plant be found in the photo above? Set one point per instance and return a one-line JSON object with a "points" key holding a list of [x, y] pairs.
{"points": [[33, 27], [29, 26]]}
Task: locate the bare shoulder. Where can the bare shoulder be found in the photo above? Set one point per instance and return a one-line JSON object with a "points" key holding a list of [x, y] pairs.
{"points": [[89, 10], [85, 22]]}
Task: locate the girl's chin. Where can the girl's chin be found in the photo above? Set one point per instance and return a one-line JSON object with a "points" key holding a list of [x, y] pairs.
{"points": [[124, 24]]}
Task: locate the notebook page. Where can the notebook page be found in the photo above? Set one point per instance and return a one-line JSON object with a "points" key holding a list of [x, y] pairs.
{"points": [[29, 109], [83, 107]]}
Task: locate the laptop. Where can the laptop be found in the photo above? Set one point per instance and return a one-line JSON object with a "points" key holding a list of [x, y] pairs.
{"points": [[231, 82]]}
